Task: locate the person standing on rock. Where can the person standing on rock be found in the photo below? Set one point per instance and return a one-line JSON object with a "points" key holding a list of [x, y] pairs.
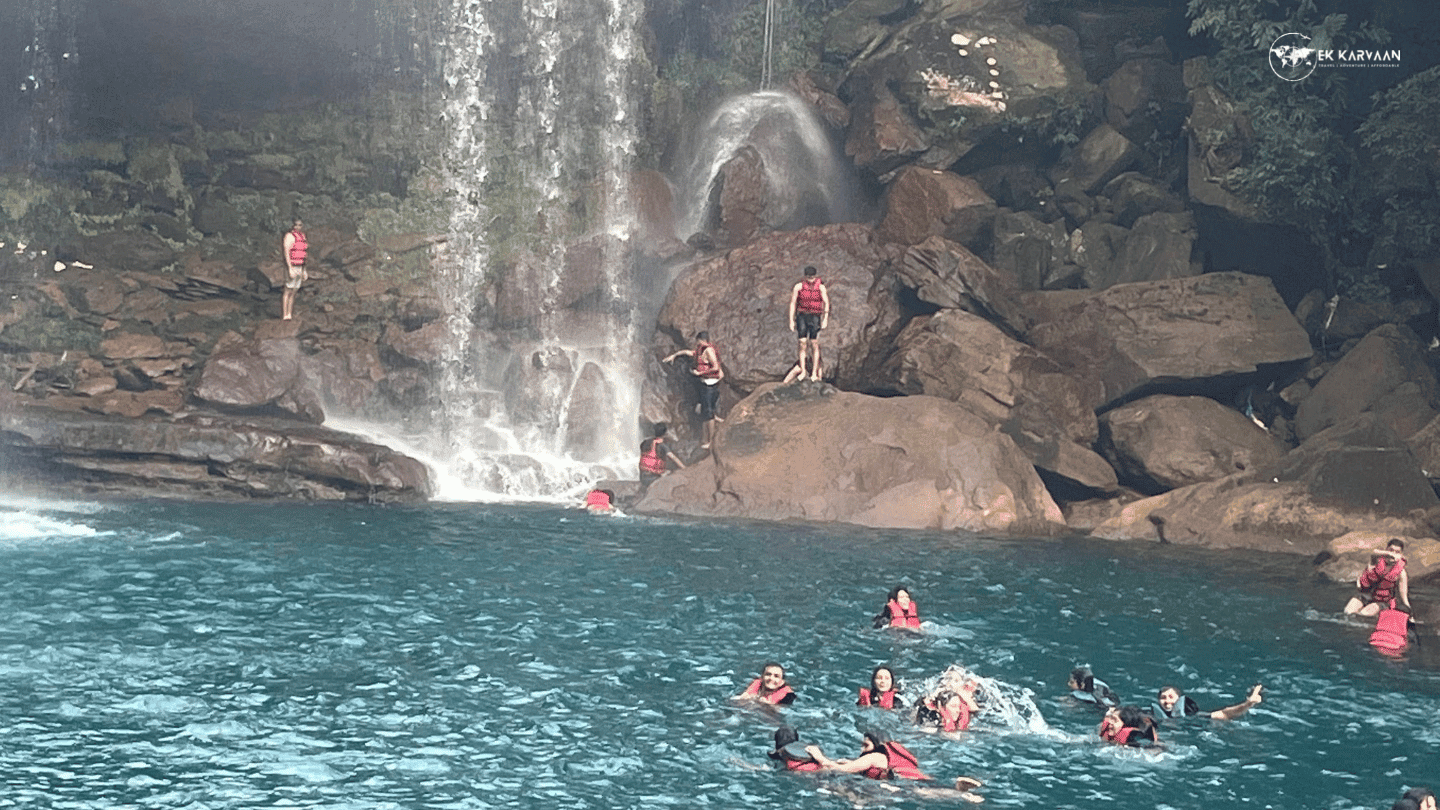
{"points": [[294, 247], [809, 313], [708, 375], [655, 458], [1382, 582]]}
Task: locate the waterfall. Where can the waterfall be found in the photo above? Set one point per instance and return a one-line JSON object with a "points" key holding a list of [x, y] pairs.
{"points": [[807, 182], [39, 42], [540, 381]]}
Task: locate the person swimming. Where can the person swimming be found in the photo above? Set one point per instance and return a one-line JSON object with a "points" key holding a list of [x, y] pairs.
{"points": [[949, 710], [879, 758], [1170, 703], [899, 611], [1127, 725], [790, 752], [770, 687], [1086, 688], [882, 691]]}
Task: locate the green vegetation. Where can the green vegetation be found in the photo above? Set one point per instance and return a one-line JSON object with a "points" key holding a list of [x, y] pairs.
{"points": [[1398, 202]]}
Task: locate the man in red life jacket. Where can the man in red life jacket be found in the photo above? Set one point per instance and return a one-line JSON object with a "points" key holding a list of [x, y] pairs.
{"points": [[809, 313], [1382, 582], [294, 247], [655, 458], [770, 687], [708, 374]]}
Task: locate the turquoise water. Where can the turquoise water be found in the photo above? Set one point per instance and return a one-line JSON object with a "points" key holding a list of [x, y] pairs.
{"points": [[201, 656]]}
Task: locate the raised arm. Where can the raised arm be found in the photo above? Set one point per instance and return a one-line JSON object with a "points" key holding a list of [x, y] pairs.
{"points": [[1232, 712]]}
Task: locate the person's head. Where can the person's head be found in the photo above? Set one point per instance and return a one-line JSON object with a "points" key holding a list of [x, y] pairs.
{"points": [[296, 224], [1132, 717], [772, 675], [949, 701], [900, 595], [660, 429], [784, 736], [882, 679], [1424, 798], [810, 271], [1082, 679], [1168, 697], [1405, 804], [873, 741], [702, 335], [1396, 545]]}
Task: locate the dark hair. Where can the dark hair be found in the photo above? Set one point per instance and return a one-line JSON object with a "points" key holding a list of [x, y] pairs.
{"points": [[1084, 678], [608, 494], [660, 428], [769, 664], [1418, 793], [895, 591], [1396, 542], [1164, 689], [876, 739], [783, 737], [876, 671], [646, 445], [702, 335], [1406, 803], [1132, 716], [810, 270]]}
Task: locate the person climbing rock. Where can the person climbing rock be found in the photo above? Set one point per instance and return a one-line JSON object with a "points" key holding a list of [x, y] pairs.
{"points": [[708, 373]]}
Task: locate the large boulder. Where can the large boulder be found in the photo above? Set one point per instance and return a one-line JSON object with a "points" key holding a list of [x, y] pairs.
{"points": [[1165, 442], [742, 299], [204, 455], [948, 276], [1028, 249], [1353, 477], [921, 203], [810, 452], [261, 376], [966, 359], [1099, 158], [1220, 329], [1387, 374]]}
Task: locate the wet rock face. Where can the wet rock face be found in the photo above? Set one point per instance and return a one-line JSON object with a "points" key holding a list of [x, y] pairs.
{"points": [[808, 451], [1165, 442], [1387, 374], [203, 456]]}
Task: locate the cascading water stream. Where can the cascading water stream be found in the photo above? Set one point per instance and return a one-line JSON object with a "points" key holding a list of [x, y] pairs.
{"points": [[539, 385]]}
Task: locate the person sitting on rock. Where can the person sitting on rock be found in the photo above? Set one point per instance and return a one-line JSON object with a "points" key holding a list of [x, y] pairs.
{"points": [[1382, 581], [1170, 703], [655, 458], [1086, 688]]}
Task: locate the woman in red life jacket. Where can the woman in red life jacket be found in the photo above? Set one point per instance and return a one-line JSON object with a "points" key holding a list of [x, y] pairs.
{"points": [[1127, 725], [294, 247], [770, 687], [655, 457], [882, 691], [900, 611], [1382, 582], [878, 759], [790, 752], [949, 711]]}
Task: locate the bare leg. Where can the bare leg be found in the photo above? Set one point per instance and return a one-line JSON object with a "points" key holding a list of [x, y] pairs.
{"points": [[800, 358], [1371, 609], [816, 368], [1354, 605], [287, 303]]}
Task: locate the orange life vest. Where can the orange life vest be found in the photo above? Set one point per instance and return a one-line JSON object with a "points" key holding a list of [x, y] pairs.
{"points": [[899, 763], [298, 249], [808, 298], [753, 690], [703, 366], [651, 461], [595, 499], [1392, 629], [901, 617], [1382, 578], [885, 700]]}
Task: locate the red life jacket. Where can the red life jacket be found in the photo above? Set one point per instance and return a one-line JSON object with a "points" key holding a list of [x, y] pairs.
{"points": [[298, 249], [703, 367], [808, 298], [900, 617], [885, 700], [1382, 578], [1120, 737], [651, 461], [753, 690], [596, 499], [956, 723], [1392, 628], [797, 765], [899, 763]]}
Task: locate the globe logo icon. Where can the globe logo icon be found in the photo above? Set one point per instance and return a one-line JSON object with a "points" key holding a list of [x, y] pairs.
{"points": [[1292, 58]]}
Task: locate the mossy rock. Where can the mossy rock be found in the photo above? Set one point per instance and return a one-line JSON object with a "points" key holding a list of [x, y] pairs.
{"points": [[50, 334]]}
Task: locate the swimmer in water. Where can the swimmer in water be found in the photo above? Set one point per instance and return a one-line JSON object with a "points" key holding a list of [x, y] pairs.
{"points": [[1086, 688], [789, 751], [770, 687], [1169, 703], [882, 759], [882, 691], [1127, 725], [1423, 797], [949, 711], [899, 611]]}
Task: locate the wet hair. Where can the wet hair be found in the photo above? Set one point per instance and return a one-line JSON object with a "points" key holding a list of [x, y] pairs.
{"points": [[876, 739], [702, 335], [1165, 689], [1406, 803], [783, 737], [1396, 542], [810, 270], [775, 664], [876, 671], [660, 429], [895, 592], [1132, 716], [1084, 678], [1419, 793]]}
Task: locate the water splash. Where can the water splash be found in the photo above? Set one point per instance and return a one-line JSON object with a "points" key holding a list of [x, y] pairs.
{"points": [[1005, 706], [807, 184]]}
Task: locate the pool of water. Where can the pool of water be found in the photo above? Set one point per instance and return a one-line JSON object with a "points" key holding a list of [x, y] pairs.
{"points": [[166, 655]]}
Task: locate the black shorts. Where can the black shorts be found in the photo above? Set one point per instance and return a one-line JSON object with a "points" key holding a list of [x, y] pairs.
{"points": [[807, 325], [709, 396]]}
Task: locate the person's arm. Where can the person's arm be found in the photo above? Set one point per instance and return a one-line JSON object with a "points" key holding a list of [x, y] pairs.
{"points": [[285, 245], [825, 299], [874, 759], [1232, 712], [682, 352], [794, 296], [1403, 588], [676, 460]]}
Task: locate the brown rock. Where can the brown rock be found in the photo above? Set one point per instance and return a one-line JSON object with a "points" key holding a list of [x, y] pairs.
{"points": [[949, 276], [882, 135], [95, 386], [1387, 374], [921, 203], [810, 452], [1165, 442], [1097, 159], [424, 345], [131, 346], [744, 191]]}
